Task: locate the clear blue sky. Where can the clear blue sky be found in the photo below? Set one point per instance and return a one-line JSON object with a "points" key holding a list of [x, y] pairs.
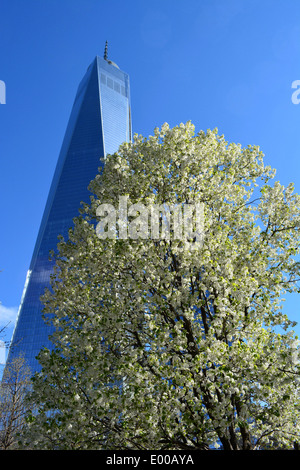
{"points": [[228, 64]]}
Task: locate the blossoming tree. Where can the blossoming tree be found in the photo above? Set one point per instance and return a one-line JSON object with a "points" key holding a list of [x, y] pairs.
{"points": [[164, 342]]}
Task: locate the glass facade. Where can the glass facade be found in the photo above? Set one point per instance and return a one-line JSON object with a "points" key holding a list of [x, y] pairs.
{"points": [[100, 121]]}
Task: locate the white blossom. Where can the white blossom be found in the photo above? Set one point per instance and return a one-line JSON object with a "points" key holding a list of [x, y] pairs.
{"points": [[160, 346]]}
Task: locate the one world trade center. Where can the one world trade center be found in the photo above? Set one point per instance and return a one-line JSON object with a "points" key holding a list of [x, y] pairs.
{"points": [[100, 121]]}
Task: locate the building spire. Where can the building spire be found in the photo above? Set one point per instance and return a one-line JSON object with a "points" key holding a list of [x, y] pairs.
{"points": [[105, 51], [106, 58]]}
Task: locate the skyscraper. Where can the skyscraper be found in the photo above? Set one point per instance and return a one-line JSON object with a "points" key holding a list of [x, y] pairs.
{"points": [[100, 121]]}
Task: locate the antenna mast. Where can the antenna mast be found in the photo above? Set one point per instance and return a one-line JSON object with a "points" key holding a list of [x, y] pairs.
{"points": [[105, 51]]}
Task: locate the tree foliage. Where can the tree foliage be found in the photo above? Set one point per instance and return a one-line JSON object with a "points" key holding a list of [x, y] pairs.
{"points": [[166, 343], [14, 387]]}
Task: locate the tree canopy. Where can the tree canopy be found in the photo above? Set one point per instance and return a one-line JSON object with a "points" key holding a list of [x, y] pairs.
{"points": [[14, 404], [164, 341]]}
